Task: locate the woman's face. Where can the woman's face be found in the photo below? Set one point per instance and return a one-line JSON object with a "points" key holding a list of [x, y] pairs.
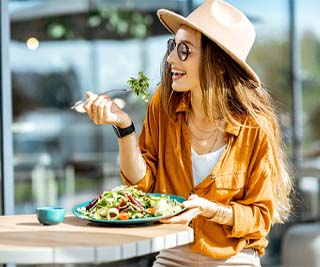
{"points": [[185, 74]]}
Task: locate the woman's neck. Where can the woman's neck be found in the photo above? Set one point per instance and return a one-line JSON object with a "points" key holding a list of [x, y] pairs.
{"points": [[197, 110]]}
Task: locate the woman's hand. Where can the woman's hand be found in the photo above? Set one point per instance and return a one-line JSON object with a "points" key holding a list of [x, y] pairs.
{"points": [[195, 206], [103, 110]]}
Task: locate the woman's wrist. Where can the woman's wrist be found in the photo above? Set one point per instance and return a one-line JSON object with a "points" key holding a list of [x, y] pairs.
{"points": [[209, 210], [223, 215], [123, 132], [123, 121], [219, 213]]}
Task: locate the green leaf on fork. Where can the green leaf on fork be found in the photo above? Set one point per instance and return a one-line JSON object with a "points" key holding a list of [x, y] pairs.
{"points": [[139, 86]]}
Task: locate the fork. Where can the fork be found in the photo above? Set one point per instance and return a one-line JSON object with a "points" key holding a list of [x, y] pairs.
{"points": [[78, 106]]}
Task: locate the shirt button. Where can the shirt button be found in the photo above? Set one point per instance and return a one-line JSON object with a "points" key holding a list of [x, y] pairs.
{"points": [[213, 176]]}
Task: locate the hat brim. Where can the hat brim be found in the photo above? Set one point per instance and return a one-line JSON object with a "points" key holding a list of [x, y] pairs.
{"points": [[173, 21]]}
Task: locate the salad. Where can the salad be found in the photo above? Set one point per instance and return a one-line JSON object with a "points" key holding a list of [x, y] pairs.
{"points": [[127, 202]]}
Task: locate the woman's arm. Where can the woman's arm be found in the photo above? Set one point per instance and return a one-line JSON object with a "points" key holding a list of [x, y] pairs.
{"points": [[103, 110], [200, 206], [132, 164]]}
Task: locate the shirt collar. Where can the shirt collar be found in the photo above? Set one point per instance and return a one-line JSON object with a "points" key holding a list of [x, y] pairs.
{"points": [[184, 102], [233, 129]]}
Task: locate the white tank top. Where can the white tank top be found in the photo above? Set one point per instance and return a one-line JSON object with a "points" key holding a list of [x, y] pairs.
{"points": [[203, 164]]}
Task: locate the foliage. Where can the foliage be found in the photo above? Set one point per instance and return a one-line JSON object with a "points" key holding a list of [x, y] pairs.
{"points": [[271, 60], [140, 86], [123, 22]]}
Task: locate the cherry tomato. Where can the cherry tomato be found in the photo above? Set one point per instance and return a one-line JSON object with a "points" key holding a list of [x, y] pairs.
{"points": [[124, 215], [151, 210]]}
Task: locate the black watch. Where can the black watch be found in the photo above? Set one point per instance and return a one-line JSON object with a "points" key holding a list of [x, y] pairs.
{"points": [[122, 132]]}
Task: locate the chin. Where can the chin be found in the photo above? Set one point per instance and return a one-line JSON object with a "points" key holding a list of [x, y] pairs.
{"points": [[179, 88]]}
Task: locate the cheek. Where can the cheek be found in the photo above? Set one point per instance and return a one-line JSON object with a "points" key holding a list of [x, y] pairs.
{"points": [[195, 72]]}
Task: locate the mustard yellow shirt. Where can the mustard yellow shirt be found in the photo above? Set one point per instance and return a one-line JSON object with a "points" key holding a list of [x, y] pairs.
{"points": [[241, 178]]}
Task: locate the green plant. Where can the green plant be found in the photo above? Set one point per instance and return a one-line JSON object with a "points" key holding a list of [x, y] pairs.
{"points": [[140, 86]]}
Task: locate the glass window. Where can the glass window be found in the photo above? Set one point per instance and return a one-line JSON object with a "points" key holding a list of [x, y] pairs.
{"points": [[6, 169], [1, 127], [309, 36], [58, 52]]}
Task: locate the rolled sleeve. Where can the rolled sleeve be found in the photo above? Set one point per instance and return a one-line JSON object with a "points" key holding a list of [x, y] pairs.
{"points": [[253, 214], [250, 222]]}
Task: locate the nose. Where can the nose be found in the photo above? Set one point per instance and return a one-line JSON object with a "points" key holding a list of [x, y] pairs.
{"points": [[172, 57]]}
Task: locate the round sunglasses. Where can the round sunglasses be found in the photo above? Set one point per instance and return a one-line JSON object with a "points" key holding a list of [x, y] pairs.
{"points": [[182, 49]]}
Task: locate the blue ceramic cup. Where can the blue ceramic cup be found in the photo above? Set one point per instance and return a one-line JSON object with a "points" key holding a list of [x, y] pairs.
{"points": [[50, 215]]}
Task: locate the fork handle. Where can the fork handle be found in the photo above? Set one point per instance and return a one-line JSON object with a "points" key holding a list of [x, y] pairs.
{"points": [[79, 103], [115, 90]]}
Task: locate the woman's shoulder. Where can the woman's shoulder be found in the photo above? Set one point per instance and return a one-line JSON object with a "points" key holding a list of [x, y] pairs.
{"points": [[261, 128], [258, 122], [157, 92], [254, 126], [155, 101]]}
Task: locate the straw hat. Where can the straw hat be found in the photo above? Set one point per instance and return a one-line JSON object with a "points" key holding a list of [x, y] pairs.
{"points": [[228, 27]]}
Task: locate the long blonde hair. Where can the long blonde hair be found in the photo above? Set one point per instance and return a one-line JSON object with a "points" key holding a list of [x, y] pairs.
{"points": [[229, 93]]}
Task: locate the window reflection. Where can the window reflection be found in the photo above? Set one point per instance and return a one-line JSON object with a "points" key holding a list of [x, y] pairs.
{"points": [[57, 54]]}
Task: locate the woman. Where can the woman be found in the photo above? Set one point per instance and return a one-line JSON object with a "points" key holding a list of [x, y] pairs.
{"points": [[210, 135]]}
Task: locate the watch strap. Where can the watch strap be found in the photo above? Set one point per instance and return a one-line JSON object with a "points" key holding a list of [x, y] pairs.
{"points": [[122, 132]]}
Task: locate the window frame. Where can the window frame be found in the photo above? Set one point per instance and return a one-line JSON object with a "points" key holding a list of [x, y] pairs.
{"points": [[6, 145]]}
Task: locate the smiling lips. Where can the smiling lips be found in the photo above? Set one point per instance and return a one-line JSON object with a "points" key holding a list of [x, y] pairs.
{"points": [[177, 74]]}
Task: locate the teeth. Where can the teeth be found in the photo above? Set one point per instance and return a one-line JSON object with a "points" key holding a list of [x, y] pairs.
{"points": [[175, 72]]}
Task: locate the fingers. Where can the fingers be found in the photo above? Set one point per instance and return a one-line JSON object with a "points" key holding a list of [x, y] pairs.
{"points": [[183, 218], [103, 110], [193, 202], [87, 105], [88, 94], [97, 107], [195, 206], [193, 196]]}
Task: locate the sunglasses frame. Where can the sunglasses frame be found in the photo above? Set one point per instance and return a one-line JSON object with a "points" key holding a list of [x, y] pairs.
{"points": [[180, 49]]}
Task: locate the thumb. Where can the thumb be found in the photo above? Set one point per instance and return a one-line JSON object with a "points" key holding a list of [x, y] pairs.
{"points": [[89, 94], [193, 196]]}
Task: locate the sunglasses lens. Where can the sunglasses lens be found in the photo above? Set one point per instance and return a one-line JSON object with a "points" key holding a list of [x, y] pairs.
{"points": [[171, 45], [183, 51]]}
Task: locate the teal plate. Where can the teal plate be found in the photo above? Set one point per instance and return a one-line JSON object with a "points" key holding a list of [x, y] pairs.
{"points": [[78, 214]]}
